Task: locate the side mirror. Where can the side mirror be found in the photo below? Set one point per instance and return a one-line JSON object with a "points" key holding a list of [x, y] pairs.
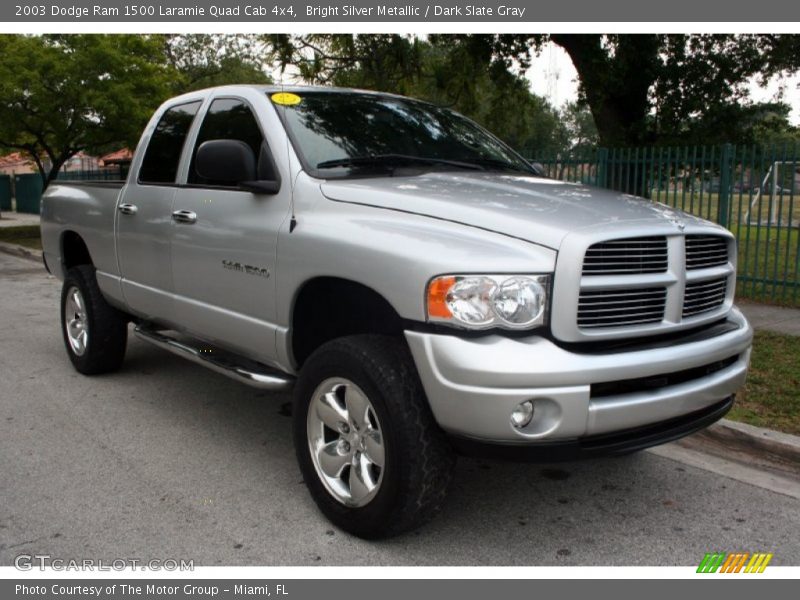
{"points": [[261, 186], [226, 161], [232, 163]]}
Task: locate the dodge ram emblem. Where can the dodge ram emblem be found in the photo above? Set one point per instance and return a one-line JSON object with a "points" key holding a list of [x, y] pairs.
{"points": [[681, 225]]}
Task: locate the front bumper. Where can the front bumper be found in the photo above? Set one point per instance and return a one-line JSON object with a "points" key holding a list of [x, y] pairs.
{"points": [[606, 444], [474, 384]]}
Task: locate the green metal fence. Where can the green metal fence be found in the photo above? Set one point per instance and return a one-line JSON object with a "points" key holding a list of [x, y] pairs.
{"points": [[107, 174], [28, 192], [5, 192], [27, 187], [754, 191]]}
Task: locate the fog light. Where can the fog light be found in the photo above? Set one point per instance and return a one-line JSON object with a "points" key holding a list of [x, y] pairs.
{"points": [[522, 414]]}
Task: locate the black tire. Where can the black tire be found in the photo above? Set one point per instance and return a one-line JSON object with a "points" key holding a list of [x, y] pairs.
{"points": [[106, 327], [418, 462]]}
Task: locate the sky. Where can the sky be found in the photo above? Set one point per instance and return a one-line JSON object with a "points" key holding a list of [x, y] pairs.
{"points": [[552, 75]]}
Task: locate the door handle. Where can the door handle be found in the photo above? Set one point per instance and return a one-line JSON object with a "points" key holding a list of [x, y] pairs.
{"points": [[127, 209], [184, 216]]}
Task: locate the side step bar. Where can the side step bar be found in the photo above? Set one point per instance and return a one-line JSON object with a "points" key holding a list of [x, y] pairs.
{"points": [[246, 371]]}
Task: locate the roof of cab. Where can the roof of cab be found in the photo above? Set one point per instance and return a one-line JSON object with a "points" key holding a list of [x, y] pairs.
{"points": [[274, 88]]}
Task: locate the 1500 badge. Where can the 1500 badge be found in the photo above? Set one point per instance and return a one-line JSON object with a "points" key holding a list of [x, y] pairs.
{"points": [[248, 269]]}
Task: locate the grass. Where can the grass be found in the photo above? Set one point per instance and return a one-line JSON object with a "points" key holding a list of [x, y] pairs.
{"points": [[24, 235], [768, 265], [771, 397]]}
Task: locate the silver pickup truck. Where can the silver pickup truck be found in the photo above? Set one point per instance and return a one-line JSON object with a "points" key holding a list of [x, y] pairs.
{"points": [[422, 289]]}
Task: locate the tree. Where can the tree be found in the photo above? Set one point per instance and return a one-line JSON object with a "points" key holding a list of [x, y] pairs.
{"points": [[646, 89], [384, 62], [62, 94], [581, 128], [207, 60], [769, 126]]}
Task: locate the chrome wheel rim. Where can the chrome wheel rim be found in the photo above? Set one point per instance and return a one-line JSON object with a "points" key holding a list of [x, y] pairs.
{"points": [[346, 442], [75, 321]]}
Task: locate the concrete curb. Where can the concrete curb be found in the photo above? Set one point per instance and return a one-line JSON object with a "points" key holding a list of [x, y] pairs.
{"points": [[755, 447], [21, 251]]}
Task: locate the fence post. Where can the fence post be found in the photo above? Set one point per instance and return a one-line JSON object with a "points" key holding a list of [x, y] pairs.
{"points": [[725, 181], [602, 167]]}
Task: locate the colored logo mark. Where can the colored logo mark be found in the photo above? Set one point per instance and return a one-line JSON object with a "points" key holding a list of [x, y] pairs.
{"points": [[734, 562]]}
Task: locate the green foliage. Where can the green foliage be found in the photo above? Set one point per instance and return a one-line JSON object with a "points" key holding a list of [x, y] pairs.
{"points": [[769, 125], [61, 94], [208, 60], [645, 89], [581, 128]]}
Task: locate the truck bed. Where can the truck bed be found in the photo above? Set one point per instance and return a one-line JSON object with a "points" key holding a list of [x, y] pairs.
{"points": [[86, 208]]}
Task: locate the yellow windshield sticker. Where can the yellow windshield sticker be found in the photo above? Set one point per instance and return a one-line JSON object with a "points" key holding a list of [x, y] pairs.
{"points": [[285, 99]]}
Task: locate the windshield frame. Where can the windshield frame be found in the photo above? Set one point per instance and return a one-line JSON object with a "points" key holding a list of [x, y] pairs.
{"points": [[357, 174]]}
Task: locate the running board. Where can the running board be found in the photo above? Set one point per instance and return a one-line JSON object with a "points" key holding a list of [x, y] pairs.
{"points": [[243, 370]]}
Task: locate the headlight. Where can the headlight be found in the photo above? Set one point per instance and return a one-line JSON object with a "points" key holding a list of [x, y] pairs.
{"points": [[486, 301]]}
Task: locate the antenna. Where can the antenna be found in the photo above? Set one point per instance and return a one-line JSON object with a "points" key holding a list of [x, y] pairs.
{"points": [[293, 218]]}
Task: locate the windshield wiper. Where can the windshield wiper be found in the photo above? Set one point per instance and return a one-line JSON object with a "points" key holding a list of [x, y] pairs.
{"points": [[391, 160]]}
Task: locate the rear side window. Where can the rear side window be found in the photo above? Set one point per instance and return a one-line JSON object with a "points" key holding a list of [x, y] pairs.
{"points": [[160, 163], [228, 119]]}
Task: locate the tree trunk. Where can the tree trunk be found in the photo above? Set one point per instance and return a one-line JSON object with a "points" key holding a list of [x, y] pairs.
{"points": [[53, 174], [616, 86]]}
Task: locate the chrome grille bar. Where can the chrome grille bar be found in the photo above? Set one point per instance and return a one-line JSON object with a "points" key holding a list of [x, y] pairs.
{"points": [[606, 309], [703, 251], [626, 256]]}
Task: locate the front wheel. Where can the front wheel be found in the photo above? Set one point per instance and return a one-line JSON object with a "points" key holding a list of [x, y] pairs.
{"points": [[374, 459]]}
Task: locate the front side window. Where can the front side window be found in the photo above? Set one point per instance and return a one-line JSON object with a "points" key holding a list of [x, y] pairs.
{"points": [[351, 133], [228, 119], [160, 162]]}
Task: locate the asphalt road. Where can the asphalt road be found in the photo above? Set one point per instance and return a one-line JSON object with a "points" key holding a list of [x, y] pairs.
{"points": [[165, 459]]}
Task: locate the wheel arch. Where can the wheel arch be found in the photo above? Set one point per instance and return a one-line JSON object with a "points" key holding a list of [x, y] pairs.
{"points": [[74, 251], [326, 308]]}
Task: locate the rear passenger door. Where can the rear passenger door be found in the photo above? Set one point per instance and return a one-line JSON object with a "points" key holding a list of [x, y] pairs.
{"points": [[143, 220], [223, 255]]}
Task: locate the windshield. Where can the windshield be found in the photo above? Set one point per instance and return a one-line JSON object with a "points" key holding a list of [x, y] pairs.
{"points": [[341, 134]]}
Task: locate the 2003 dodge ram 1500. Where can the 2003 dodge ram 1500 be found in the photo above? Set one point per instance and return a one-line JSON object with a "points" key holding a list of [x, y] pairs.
{"points": [[421, 287]]}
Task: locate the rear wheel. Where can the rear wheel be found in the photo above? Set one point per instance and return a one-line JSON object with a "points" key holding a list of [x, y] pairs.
{"points": [[374, 459], [95, 333]]}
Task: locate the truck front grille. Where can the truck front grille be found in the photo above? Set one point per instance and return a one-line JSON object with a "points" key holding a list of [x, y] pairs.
{"points": [[609, 308], [642, 284], [704, 296], [631, 256], [704, 251]]}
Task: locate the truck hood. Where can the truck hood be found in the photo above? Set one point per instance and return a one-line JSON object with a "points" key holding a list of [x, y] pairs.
{"points": [[535, 209]]}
